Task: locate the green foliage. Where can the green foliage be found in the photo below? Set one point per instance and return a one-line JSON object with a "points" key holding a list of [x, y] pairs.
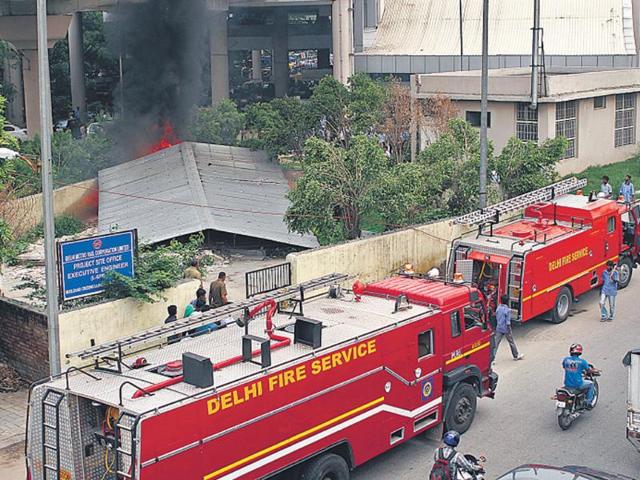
{"points": [[525, 166], [454, 165], [75, 160], [343, 111], [615, 171], [101, 69], [220, 124], [7, 243], [6, 140], [157, 268], [337, 189], [64, 225], [281, 126]]}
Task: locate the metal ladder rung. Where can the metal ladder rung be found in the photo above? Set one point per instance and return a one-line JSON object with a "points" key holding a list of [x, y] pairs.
{"points": [[50, 447], [125, 428], [50, 467], [123, 474], [48, 425], [124, 452]]}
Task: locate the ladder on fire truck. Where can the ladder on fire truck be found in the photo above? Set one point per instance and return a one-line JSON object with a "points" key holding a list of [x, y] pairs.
{"points": [[514, 287], [492, 213], [51, 434], [234, 310], [124, 453]]}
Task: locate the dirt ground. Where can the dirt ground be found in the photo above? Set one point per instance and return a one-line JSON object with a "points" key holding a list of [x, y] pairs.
{"points": [[12, 462]]}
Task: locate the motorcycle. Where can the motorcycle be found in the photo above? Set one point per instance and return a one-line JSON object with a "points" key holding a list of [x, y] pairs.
{"points": [[572, 402], [476, 475]]}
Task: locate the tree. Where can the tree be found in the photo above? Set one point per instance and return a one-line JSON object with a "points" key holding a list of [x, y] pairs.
{"points": [[525, 166], [454, 160], [337, 188], [396, 121], [6, 140], [436, 113], [344, 111], [220, 124], [281, 126]]}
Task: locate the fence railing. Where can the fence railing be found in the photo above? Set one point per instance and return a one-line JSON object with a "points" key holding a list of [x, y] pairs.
{"points": [[267, 279]]}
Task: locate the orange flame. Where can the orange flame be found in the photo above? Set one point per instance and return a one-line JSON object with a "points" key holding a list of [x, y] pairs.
{"points": [[168, 139]]}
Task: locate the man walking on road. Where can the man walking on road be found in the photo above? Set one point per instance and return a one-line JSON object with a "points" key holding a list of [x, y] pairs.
{"points": [[503, 327], [610, 279]]}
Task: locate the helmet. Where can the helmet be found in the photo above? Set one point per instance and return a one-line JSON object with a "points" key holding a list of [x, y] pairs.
{"points": [[575, 349], [451, 438]]}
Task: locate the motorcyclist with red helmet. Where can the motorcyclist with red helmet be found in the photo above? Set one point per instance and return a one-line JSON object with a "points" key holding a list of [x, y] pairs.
{"points": [[574, 367]]}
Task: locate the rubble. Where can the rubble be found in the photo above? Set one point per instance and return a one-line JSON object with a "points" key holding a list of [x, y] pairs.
{"points": [[10, 381]]}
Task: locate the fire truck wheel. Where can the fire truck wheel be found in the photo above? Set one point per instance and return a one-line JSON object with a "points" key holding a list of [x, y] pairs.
{"points": [[561, 309], [461, 408], [625, 270], [326, 467]]}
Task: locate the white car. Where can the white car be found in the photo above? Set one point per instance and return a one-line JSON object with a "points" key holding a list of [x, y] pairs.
{"points": [[17, 132]]}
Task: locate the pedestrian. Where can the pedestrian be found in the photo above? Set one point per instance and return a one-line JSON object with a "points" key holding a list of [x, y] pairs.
{"points": [[172, 310], [218, 291], [605, 187], [610, 279], [626, 190], [503, 327], [198, 304], [193, 271]]}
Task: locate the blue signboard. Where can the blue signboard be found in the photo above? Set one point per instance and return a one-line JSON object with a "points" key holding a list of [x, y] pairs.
{"points": [[84, 263]]}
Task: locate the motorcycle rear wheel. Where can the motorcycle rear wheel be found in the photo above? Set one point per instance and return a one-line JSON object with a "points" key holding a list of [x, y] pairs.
{"points": [[564, 420]]}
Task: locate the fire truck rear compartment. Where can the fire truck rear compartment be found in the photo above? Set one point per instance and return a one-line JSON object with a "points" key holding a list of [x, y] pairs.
{"points": [[76, 435]]}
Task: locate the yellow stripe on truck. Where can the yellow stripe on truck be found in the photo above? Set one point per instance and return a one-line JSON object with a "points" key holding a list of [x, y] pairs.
{"points": [[570, 279], [462, 355], [294, 438]]}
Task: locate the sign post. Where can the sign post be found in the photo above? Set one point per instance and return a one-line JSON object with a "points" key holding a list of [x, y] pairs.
{"points": [[83, 263]]}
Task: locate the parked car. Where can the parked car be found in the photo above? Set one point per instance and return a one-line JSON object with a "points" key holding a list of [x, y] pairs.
{"points": [[17, 132], [570, 472]]}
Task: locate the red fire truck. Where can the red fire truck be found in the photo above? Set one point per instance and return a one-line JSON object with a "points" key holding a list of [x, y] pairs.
{"points": [[308, 382], [554, 253]]}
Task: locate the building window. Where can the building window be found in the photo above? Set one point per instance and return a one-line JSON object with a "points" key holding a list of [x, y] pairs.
{"points": [[625, 128], [474, 118], [455, 324], [599, 102], [526, 122], [566, 124], [425, 343]]}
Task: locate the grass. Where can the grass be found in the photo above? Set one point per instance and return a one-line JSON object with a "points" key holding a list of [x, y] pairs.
{"points": [[615, 171]]}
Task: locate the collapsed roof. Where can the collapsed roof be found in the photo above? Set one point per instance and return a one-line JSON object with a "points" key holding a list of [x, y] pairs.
{"points": [[193, 187]]}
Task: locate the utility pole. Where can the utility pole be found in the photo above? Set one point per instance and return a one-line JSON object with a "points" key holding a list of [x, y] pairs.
{"points": [[483, 103], [47, 189], [461, 34]]}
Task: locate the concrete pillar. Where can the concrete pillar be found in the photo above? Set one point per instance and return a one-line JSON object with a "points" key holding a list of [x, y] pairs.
{"points": [[342, 33], [76, 65], [13, 77], [256, 65], [280, 52], [219, 51], [358, 25], [324, 57], [31, 91]]}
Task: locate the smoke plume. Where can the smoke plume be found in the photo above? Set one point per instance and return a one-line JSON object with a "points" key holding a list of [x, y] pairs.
{"points": [[163, 44]]}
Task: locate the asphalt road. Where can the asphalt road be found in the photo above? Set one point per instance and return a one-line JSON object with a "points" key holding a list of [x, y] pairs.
{"points": [[519, 425]]}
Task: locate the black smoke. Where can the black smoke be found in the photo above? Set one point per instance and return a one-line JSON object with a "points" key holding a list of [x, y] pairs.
{"points": [[163, 44]]}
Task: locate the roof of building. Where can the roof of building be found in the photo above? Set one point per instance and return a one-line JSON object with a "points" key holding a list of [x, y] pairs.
{"points": [[570, 27], [514, 84], [192, 187]]}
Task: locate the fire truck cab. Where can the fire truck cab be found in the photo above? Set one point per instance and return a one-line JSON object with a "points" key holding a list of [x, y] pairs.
{"points": [[309, 382], [555, 252]]}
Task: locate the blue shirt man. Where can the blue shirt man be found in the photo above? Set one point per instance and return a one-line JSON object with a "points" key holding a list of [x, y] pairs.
{"points": [[574, 367], [627, 190], [503, 318], [610, 279]]}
